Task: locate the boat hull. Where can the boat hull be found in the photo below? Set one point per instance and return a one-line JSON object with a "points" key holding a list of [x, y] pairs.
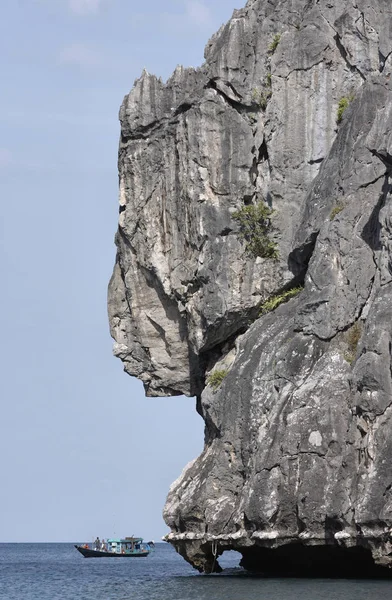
{"points": [[88, 553]]}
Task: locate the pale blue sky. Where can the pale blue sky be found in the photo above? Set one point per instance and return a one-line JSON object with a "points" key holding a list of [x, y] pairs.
{"points": [[83, 452]]}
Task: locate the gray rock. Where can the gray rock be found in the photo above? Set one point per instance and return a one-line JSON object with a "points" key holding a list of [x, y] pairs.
{"points": [[295, 469]]}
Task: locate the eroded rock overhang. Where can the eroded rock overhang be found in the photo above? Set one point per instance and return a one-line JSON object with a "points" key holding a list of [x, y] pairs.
{"points": [[297, 435]]}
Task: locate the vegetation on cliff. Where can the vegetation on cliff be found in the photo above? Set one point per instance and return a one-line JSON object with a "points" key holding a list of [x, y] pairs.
{"points": [[254, 221]]}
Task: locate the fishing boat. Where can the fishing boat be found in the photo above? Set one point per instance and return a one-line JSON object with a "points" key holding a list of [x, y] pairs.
{"points": [[128, 547]]}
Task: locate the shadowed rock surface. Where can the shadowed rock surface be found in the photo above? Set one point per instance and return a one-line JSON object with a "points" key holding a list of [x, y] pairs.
{"points": [[296, 472]]}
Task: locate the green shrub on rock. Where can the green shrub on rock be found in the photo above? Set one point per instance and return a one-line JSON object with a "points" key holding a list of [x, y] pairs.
{"points": [[335, 211], [260, 98], [279, 299], [275, 43], [268, 79], [254, 222], [352, 338], [342, 106], [216, 377]]}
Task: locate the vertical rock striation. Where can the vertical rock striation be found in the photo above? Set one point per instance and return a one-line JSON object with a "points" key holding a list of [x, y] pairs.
{"points": [[296, 469]]}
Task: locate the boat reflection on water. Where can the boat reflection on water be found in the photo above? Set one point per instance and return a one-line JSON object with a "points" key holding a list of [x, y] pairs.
{"points": [[128, 547]]}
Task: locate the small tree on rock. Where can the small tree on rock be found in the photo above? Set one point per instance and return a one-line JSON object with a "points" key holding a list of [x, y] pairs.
{"points": [[254, 223]]}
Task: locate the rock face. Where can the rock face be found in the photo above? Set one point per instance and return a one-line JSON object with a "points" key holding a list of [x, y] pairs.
{"points": [[296, 472]]}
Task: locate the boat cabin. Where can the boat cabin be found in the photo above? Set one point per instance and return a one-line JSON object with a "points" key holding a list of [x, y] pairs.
{"points": [[128, 545]]}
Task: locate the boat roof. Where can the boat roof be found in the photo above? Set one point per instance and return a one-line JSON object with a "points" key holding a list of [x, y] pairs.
{"points": [[126, 540]]}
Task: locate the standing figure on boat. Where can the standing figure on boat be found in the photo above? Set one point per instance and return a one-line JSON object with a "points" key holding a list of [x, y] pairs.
{"points": [[97, 544]]}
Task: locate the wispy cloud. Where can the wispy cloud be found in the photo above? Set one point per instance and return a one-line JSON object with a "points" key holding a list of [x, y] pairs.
{"points": [[80, 55], [85, 7]]}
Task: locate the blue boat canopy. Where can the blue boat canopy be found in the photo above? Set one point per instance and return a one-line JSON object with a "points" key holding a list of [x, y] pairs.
{"points": [[127, 540]]}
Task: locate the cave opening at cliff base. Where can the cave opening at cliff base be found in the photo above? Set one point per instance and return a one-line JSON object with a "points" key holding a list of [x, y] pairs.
{"points": [[300, 560]]}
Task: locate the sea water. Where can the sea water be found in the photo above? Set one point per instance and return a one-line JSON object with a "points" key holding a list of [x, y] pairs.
{"points": [[59, 572]]}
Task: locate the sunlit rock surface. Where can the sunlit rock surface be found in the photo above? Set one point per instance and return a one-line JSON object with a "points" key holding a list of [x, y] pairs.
{"points": [[296, 472]]}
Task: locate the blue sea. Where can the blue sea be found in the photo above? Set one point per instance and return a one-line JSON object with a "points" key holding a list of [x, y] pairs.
{"points": [[59, 572]]}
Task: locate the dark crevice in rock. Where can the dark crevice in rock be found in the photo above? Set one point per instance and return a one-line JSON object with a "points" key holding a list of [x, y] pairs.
{"points": [[125, 240], [387, 489], [301, 526], [147, 351], [226, 231], [299, 258], [344, 55], [376, 415], [238, 106], [382, 60], [122, 274], [211, 431], [384, 156], [232, 88], [248, 200], [183, 108], [254, 171], [199, 408], [371, 231], [218, 192], [369, 183], [309, 68], [263, 152], [264, 157], [316, 161], [332, 525], [295, 455], [141, 132], [212, 354], [196, 374], [161, 333], [173, 314], [373, 525]]}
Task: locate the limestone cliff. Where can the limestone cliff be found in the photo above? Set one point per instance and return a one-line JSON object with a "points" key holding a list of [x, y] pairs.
{"points": [[296, 468]]}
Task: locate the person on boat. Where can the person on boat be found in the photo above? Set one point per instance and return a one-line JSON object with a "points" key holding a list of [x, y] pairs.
{"points": [[103, 546], [97, 543]]}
